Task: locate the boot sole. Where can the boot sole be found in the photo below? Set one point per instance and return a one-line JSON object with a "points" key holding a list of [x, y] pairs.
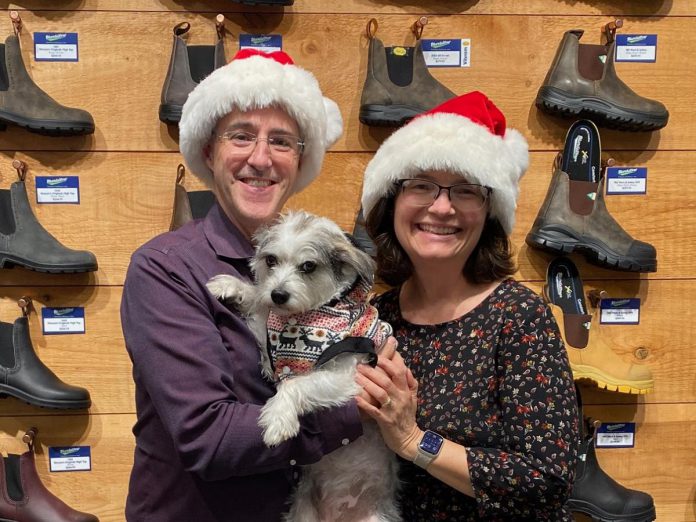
{"points": [[265, 2], [6, 390], [46, 127], [170, 114], [560, 240], [602, 516], [607, 114], [607, 382], [387, 115], [7, 261]]}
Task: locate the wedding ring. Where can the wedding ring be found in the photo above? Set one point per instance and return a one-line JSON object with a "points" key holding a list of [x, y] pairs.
{"points": [[386, 403]]}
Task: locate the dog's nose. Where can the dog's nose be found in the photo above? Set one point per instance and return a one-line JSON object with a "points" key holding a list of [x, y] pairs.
{"points": [[280, 296]]}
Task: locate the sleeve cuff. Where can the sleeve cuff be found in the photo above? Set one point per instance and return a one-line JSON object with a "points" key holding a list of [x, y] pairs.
{"points": [[339, 426]]}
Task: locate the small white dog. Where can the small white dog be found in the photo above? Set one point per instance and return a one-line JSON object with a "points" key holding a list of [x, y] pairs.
{"points": [[309, 311]]}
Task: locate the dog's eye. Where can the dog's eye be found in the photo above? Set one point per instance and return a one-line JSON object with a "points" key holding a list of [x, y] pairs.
{"points": [[271, 261], [308, 267]]}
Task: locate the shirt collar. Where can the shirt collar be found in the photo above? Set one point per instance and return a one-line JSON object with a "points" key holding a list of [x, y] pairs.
{"points": [[225, 238]]}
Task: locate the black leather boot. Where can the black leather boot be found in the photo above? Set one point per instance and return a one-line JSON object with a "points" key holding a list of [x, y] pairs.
{"points": [[189, 205], [24, 242], [24, 376], [598, 495], [23, 103], [24, 498]]}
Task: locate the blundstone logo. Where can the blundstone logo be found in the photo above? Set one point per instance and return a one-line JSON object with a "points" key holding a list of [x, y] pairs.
{"points": [[57, 181], [614, 427], [55, 37], [443, 43], [636, 39], [592, 195], [69, 451], [559, 284], [63, 311], [626, 172], [620, 302], [576, 148], [260, 39]]}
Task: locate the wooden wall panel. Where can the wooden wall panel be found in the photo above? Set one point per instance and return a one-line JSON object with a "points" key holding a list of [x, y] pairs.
{"points": [[510, 57]]}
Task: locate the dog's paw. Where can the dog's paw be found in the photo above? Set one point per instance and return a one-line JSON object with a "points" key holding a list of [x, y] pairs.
{"points": [[278, 425], [227, 288]]}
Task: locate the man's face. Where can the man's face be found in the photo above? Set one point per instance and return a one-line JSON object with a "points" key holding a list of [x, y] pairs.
{"points": [[252, 184]]}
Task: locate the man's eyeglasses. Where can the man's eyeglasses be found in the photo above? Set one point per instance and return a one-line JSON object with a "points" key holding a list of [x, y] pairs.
{"points": [[463, 196], [281, 144]]}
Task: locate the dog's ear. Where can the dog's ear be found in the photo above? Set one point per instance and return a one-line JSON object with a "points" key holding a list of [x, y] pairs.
{"points": [[346, 254]]}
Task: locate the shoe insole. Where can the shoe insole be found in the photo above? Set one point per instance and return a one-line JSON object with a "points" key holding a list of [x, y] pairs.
{"points": [[581, 158], [564, 286]]}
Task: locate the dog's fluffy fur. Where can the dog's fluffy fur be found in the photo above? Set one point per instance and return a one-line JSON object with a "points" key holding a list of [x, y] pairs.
{"points": [[357, 482]]}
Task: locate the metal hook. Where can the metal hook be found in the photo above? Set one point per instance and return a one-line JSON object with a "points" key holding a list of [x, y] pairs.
{"points": [[595, 296], [29, 437], [371, 28], [418, 25], [24, 303], [21, 169], [16, 22], [180, 173], [610, 29], [182, 28], [220, 25]]}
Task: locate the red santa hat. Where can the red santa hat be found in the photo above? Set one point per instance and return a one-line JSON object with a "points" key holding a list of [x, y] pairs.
{"points": [[466, 135], [255, 80]]}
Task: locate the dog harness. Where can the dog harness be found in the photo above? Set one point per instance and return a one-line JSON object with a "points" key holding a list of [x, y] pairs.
{"points": [[349, 324]]}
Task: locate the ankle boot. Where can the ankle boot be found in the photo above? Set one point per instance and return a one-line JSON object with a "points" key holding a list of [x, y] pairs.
{"points": [[594, 361], [23, 103], [24, 498], [583, 80], [574, 215], [398, 85], [24, 242], [189, 205], [598, 495], [25, 377], [188, 65]]}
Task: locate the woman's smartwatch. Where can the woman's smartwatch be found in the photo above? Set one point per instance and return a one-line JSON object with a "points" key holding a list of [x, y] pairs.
{"points": [[428, 448]]}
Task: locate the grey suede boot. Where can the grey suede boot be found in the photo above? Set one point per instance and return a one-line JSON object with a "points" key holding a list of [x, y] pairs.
{"points": [[24, 242], [23, 103], [189, 205], [188, 65], [25, 377], [582, 80], [398, 85]]}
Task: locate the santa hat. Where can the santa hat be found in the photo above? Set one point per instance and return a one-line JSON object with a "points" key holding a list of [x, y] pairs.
{"points": [[255, 80], [465, 135]]}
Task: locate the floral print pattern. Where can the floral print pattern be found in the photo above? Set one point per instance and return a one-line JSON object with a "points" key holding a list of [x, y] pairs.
{"points": [[497, 381]]}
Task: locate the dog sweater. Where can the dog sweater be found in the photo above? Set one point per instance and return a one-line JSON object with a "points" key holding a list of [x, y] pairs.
{"points": [[348, 324]]}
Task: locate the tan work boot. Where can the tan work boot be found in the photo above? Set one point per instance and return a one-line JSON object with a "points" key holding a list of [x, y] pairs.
{"points": [[582, 80]]}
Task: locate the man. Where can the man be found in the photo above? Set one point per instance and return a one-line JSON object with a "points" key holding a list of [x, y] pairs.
{"points": [[255, 131]]}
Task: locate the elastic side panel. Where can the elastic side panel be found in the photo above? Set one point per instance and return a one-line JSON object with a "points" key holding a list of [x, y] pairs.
{"points": [[590, 64], [4, 81], [12, 478], [7, 222], [7, 358], [201, 61], [200, 202], [400, 65]]}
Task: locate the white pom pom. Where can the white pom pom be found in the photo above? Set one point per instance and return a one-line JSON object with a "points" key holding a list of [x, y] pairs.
{"points": [[334, 122]]}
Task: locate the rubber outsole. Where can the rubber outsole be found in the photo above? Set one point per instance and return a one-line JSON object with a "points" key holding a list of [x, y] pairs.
{"points": [[605, 382], [558, 241], [6, 391], [7, 261], [387, 115], [46, 127], [170, 114], [606, 114], [600, 515]]}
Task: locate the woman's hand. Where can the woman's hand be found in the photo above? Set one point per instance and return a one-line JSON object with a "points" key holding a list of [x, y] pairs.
{"points": [[392, 401]]}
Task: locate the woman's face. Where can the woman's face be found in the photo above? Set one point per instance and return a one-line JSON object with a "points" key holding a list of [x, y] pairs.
{"points": [[441, 231]]}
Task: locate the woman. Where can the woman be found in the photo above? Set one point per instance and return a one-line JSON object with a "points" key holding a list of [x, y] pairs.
{"points": [[483, 366]]}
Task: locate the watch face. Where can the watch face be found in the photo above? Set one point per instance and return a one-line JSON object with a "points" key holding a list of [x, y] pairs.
{"points": [[431, 443]]}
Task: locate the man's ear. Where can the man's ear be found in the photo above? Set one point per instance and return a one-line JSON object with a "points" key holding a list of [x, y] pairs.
{"points": [[208, 155]]}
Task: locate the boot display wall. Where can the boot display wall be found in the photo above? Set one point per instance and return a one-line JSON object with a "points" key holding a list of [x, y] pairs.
{"points": [[24, 498]]}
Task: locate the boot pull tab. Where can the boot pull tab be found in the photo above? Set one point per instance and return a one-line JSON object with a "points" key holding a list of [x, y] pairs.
{"points": [[29, 437], [182, 28], [21, 169], [180, 174], [371, 28], [557, 162], [220, 26], [418, 25], [24, 303], [16, 22], [595, 296], [610, 30]]}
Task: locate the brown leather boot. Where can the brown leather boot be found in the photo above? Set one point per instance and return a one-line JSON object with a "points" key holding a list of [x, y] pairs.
{"points": [[595, 360], [24, 498], [189, 205], [23, 103], [398, 85], [582, 80], [188, 65]]}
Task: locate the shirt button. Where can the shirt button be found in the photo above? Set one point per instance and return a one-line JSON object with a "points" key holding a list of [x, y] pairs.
{"points": [[345, 442], [293, 462]]}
